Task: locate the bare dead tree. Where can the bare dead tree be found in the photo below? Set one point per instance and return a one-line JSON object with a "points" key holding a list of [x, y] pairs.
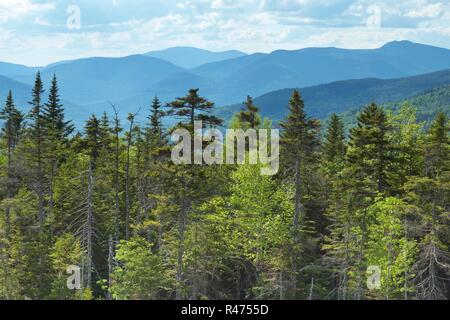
{"points": [[117, 130]]}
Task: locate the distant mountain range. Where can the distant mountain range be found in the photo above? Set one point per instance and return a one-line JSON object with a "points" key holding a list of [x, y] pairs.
{"points": [[189, 57], [337, 97], [20, 90], [16, 70], [90, 85]]}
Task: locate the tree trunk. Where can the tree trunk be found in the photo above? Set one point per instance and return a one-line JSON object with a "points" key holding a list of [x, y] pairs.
{"points": [[116, 176], [297, 221], [311, 290], [181, 230], [127, 183], [359, 289], [89, 228], [110, 265]]}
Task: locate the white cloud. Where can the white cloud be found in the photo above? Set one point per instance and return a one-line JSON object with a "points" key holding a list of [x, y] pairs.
{"points": [[428, 11], [11, 9], [248, 25]]}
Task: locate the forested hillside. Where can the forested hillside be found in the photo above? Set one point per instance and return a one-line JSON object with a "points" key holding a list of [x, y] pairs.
{"points": [[110, 201], [342, 96], [427, 106]]}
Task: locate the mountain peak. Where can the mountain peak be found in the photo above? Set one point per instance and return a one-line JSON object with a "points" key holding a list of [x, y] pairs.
{"points": [[399, 43], [405, 45], [191, 57]]}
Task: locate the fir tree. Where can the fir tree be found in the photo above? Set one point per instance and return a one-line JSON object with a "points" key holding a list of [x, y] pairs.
{"points": [[38, 134], [431, 196], [334, 146], [93, 138], [248, 117], [10, 135], [193, 108], [299, 141], [57, 128], [371, 150], [57, 131]]}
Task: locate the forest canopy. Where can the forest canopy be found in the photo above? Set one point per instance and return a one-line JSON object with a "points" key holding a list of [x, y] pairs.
{"points": [[110, 201]]}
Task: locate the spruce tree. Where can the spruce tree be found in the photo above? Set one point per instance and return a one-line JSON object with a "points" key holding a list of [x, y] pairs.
{"points": [[371, 150], [57, 131], [38, 135], [248, 117], [299, 142], [10, 132], [190, 189], [430, 195], [334, 146], [437, 151], [57, 128], [155, 117], [93, 138], [12, 126], [191, 108], [368, 174]]}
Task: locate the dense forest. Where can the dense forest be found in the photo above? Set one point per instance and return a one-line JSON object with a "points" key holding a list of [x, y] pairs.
{"points": [[109, 200]]}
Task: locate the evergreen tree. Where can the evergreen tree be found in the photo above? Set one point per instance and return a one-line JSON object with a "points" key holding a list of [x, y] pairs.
{"points": [[155, 118], [56, 127], [299, 142], [431, 196], [10, 134], [370, 147], [190, 189], [56, 131], [12, 126], [37, 136], [248, 117], [370, 159], [193, 108], [437, 159], [334, 146], [93, 138]]}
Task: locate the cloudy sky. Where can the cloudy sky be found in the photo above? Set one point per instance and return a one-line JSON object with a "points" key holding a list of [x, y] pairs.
{"points": [[38, 32]]}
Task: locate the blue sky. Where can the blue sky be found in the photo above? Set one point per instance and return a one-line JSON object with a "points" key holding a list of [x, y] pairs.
{"points": [[36, 32]]}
